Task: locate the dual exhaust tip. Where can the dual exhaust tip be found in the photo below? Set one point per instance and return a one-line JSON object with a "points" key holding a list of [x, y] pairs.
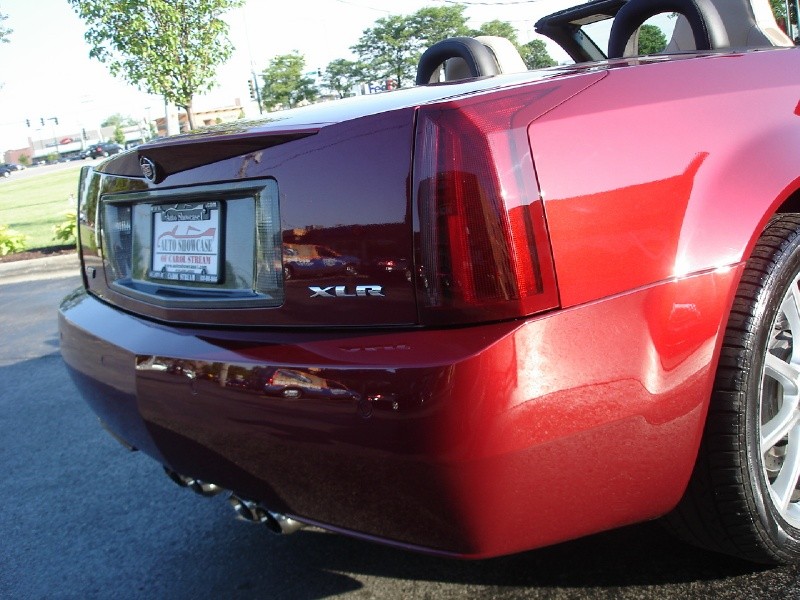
{"points": [[246, 510]]}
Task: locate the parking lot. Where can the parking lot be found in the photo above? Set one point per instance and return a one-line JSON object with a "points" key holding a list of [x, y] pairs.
{"points": [[83, 518], [44, 169]]}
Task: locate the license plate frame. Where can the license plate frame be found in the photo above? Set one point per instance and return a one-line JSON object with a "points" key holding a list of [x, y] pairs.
{"points": [[186, 242]]}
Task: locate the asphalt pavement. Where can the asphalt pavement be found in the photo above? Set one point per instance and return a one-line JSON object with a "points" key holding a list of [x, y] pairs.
{"points": [[80, 517]]}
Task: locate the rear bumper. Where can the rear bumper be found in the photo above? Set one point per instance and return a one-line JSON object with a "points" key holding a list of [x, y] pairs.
{"points": [[472, 442]]}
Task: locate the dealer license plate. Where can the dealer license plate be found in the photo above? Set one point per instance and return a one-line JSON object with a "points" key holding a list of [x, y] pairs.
{"points": [[186, 242]]}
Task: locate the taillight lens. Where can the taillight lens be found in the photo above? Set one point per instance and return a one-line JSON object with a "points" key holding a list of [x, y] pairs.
{"points": [[118, 241], [482, 247]]}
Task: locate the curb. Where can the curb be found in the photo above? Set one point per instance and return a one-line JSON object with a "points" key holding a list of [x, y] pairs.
{"points": [[48, 267]]}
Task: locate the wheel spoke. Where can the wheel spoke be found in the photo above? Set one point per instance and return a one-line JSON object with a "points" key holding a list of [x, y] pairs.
{"points": [[791, 307], [783, 487], [785, 374], [778, 427]]}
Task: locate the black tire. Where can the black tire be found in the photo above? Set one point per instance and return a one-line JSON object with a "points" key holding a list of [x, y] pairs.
{"points": [[732, 504]]}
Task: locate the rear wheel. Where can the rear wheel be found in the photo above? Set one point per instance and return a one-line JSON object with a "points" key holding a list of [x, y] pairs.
{"points": [[743, 498]]}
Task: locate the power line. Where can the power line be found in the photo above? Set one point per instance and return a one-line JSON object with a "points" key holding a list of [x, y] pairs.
{"points": [[363, 6]]}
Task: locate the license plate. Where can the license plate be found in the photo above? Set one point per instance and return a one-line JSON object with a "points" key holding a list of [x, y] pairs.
{"points": [[186, 242]]}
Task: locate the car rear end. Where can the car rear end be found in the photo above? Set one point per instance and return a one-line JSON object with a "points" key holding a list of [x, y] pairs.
{"points": [[420, 409]]}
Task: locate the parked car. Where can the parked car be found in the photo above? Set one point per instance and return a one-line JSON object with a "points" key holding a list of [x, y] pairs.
{"points": [[294, 384], [102, 150], [5, 172], [595, 320], [12, 166], [311, 260]]}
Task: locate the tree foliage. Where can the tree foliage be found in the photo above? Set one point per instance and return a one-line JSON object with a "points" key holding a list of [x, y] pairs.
{"points": [[165, 47], [118, 120], [651, 40], [119, 134], [342, 75], [433, 24], [778, 8], [498, 28], [535, 55], [391, 49], [4, 31], [285, 82]]}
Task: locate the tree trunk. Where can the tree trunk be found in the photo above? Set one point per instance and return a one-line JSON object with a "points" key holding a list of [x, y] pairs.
{"points": [[189, 115]]}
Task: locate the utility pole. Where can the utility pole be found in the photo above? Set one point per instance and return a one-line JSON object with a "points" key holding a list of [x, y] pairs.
{"points": [[255, 90]]}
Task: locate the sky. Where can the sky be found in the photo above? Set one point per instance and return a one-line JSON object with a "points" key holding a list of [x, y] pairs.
{"points": [[46, 72]]}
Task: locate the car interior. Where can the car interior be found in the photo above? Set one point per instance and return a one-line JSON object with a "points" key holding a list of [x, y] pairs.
{"points": [[699, 25]]}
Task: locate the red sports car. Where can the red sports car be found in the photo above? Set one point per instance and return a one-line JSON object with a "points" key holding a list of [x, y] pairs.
{"points": [[596, 327]]}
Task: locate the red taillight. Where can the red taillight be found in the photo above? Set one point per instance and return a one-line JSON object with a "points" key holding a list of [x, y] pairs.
{"points": [[482, 247]]}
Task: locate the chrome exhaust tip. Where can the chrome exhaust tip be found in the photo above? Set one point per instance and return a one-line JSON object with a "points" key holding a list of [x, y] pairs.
{"points": [[204, 488], [247, 510], [251, 511], [283, 525]]}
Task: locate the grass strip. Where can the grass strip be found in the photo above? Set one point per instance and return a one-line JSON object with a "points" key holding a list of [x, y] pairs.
{"points": [[34, 204]]}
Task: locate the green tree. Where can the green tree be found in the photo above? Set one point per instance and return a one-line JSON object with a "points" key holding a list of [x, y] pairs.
{"points": [[167, 47], [535, 55], [119, 135], [118, 120], [436, 23], [651, 40], [4, 31], [499, 28], [342, 75], [391, 49], [778, 8], [285, 83]]}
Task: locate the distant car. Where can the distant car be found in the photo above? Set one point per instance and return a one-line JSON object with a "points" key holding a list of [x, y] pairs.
{"points": [[12, 166], [102, 150], [311, 260], [486, 313], [5, 172], [296, 384]]}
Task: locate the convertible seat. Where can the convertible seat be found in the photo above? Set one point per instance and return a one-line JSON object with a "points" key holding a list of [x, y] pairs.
{"points": [[707, 29], [749, 24], [503, 52], [463, 57]]}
